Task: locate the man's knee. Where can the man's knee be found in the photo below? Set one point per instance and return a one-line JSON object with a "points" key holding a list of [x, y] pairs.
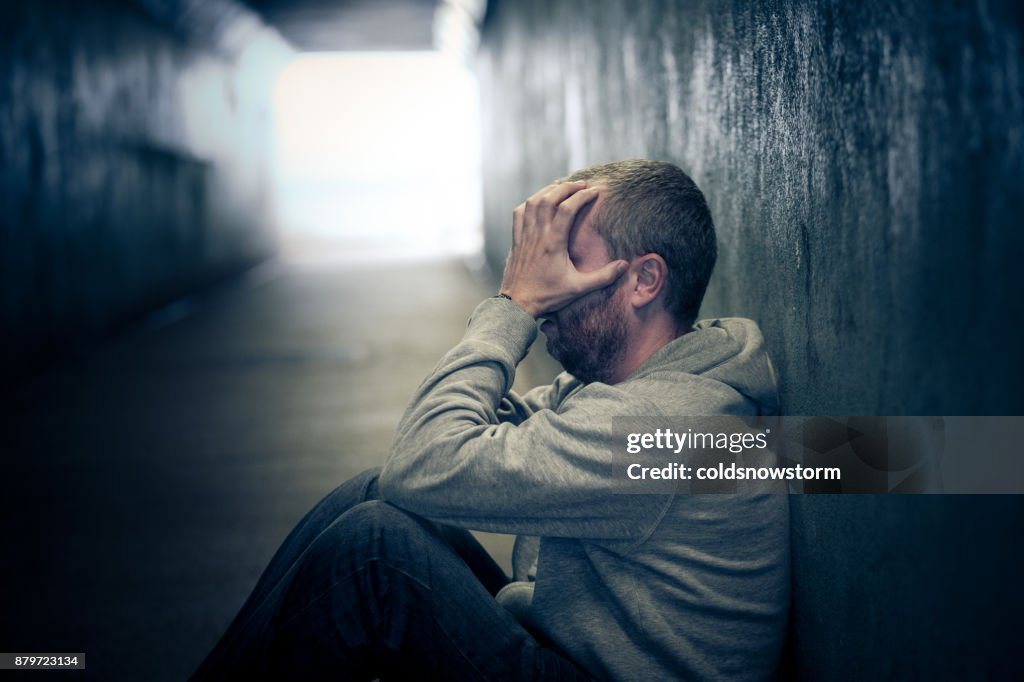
{"points": [[356, 490], [375, 530], [381, 516]]}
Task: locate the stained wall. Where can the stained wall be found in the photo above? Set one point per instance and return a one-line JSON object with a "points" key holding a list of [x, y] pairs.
{"points": [[863, 163]]}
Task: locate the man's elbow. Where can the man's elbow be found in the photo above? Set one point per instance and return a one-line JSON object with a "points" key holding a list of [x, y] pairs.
{"points": [[412, 494], [389, 485], [394, 488]]}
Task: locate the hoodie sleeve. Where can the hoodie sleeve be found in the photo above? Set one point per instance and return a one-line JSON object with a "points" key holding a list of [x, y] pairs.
{"points": [[454, 461], [515, 408]]}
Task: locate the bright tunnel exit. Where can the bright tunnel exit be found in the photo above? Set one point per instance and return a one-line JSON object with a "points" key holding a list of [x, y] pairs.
{"points": [[377, 157]]}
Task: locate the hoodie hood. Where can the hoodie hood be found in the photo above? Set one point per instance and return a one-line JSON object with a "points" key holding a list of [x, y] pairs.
{"points": [[730, 350]]}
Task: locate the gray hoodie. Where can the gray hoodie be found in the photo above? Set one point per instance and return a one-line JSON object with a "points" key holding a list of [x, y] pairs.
{"points": [[631, 587]]}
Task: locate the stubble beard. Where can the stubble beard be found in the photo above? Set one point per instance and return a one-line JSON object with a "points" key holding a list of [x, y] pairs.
{"points": [[591, 338]]}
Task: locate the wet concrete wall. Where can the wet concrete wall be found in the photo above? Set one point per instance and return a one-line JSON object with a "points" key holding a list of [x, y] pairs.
{"points": [[134, 164], [863, 164]]}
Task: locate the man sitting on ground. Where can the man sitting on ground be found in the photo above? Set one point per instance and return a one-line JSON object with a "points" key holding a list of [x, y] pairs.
{"points": [[382, 578]]}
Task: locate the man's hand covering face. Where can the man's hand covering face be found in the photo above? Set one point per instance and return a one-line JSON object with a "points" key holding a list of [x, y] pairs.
{"points": [[539, 274]]}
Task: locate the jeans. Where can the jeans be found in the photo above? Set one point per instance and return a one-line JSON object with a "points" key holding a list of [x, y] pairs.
{"points": [[361, 589]]}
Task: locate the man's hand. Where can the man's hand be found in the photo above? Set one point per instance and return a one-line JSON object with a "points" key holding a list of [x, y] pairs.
{"points": [[539, 275]]}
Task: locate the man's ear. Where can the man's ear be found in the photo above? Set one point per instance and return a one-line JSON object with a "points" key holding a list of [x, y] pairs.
{"points": [[650, 276]]}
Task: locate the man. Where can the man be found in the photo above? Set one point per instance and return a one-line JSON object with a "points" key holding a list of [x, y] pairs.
{"points": [[382, 579]]}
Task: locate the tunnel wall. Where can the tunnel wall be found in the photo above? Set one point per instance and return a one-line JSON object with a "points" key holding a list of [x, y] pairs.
{"points": [[863, 164], [134, 169]]}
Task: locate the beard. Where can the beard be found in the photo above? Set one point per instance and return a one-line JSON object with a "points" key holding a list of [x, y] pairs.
{"points": [[589, 338]]}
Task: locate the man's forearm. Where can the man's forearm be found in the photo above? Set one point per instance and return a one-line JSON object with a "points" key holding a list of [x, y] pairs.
{"points": [[459, 400]]}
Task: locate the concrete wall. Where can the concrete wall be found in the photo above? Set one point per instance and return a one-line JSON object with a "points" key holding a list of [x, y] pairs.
{"points": [[863, 162], [134, 164]]}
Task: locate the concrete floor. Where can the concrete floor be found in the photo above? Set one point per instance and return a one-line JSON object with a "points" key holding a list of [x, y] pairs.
{"points": [[145, 485]]}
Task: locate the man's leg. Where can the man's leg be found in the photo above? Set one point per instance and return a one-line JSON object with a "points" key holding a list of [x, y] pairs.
{"points": [[252, 636], [399, 603], [358, 489]]}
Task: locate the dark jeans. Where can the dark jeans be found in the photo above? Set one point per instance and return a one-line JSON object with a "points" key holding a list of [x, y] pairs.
{"points": [[362, 589]]}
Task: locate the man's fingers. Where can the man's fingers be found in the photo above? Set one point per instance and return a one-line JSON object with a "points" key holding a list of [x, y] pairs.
{"points": [[602, 277], [557, 191], [517, 223], [542, 205], [566, 212]]}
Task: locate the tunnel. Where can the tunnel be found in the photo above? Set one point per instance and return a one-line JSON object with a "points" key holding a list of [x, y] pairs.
{"points": [[223, 273]]}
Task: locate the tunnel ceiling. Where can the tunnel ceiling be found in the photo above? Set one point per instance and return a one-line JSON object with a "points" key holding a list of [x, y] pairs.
{"points": [[328, 25]]}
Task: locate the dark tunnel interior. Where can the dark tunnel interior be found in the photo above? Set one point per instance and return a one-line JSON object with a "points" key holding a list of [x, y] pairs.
{"points": [[176, 392]]}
